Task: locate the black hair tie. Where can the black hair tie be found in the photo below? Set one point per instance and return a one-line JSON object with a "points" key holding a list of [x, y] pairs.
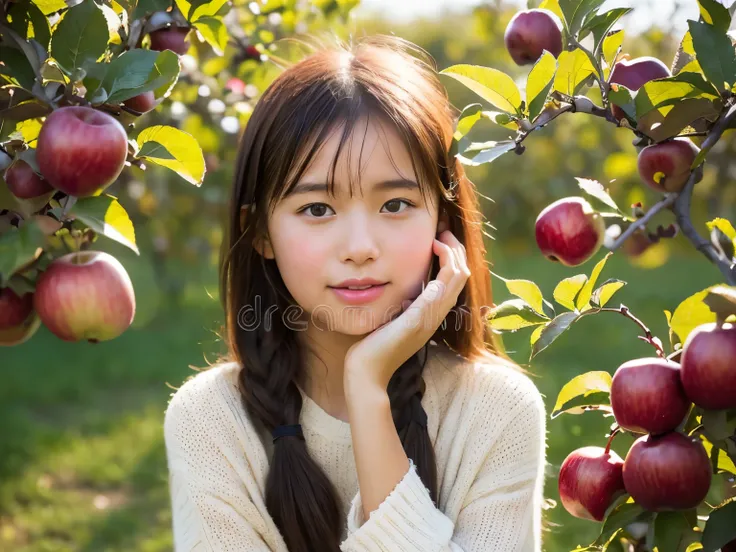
{"points": [[414, 413], [294, 430]]}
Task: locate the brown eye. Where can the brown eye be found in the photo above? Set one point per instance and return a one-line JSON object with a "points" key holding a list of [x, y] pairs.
{"points": [[316, 210], [395, 205]]}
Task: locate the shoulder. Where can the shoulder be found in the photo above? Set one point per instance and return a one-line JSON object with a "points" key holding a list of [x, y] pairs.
{"points": [[491, 389], [203, 399]]}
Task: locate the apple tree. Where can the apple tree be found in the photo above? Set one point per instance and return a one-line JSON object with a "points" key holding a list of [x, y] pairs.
{"points": [[680, 402], [86, 95]]}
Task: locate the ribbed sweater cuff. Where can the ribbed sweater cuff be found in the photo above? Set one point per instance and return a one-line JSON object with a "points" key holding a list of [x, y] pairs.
{"points": [[406, 521]]}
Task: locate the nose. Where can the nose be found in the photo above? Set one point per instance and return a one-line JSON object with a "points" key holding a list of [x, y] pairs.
{"points": [[360, 243]]}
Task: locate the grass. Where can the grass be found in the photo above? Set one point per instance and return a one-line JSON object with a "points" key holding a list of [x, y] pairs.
{"points": [[82, 461]]}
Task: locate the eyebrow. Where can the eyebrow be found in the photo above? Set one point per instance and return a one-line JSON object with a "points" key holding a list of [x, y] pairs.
{"points": [[395, 184]]}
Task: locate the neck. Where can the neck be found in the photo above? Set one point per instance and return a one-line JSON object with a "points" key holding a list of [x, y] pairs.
{"points": [[322, 379]]}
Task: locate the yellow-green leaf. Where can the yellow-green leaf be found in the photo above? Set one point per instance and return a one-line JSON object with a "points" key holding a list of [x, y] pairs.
{"points": [[514, 314], [689, 314], [174, 149], [587, 290], [724, 226], [554, 7], [539, 83], [595, 386], [603, 294], [568, 289], [611, 44], [529, 292], [494, 86], [573, 68], [213, 30], [106, 216]]}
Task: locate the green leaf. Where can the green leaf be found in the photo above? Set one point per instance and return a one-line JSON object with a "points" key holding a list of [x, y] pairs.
{"points": [[586, 291], [174, 149], [603, 294], [492, 85], [594, 386], [600, 26], [720, 528], [81, 36], [623, 514], [671, 90], [501, 119], [539, 83], [724, 226], [622, 97], [138, 71], [673, 532], [567, 290], [596, 189], [573, 69], [529, 292], [106, 216], [485, 152], [576, 12], [691, 313], [19, 247], [146, 7], [30, 22], [723, 462], [513, 315], [716, 14], [679, 117], [535, 335], [552, 331], [17, 67], [213, 30], [715, 53]]}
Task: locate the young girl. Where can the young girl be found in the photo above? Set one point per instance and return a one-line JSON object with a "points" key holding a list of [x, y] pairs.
{"points": [[352, 419]]}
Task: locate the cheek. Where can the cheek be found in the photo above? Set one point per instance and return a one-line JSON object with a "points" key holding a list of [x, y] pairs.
{"points": [[297, 255], [412, 255]]}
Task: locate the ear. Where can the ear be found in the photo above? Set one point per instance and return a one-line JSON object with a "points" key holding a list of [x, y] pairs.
{"points": [[260, 244], [443, 221]]}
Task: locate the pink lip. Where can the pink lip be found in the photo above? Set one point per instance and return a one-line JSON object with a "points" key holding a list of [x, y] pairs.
{"points": [[359, 296]]}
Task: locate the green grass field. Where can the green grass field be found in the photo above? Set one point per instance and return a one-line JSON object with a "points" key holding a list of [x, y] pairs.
{"points": [[82, 461]]}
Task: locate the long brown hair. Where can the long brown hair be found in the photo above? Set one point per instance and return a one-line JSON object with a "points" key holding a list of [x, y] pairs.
{"points": [[332, 88]]}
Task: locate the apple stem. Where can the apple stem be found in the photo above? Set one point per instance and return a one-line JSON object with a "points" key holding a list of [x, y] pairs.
{"points": [[615, 432], [648, 336]]}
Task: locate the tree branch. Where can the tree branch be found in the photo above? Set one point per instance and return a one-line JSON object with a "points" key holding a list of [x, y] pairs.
{"points": [[665, 203], [648, 336], [681, 207]]}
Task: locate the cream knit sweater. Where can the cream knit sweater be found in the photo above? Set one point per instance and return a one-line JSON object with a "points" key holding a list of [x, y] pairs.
{"points": [[487, 424]]}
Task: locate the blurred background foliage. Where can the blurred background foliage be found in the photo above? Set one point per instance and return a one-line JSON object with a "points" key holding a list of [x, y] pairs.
{"points": [[82, 464]]}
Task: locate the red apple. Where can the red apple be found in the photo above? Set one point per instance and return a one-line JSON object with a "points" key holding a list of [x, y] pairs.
{"points": [[665, 167], [81, 150], [647, 396], [590, 480], [170, 38], [20, 333], [24, 183], [709, 366], [13, 309], [251, 52], [729, 547], [85, 295], [667, 472], [636, 244], [569, 231], [142, 103], [635, 73], [530, 32]]}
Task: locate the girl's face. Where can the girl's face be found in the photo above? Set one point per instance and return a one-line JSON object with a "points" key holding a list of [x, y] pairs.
{"points": [[384, 232]]}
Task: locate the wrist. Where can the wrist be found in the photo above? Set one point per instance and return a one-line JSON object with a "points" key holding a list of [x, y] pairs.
{"points": [[359, 384]]}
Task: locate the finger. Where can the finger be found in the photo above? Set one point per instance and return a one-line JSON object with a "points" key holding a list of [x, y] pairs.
{"points": [[461, 257]]}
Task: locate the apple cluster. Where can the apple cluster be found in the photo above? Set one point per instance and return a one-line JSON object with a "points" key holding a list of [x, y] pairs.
{"points": [[84, 295], [664, 469]]}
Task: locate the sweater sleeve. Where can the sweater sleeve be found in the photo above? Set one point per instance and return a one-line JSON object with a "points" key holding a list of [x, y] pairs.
{"points": [[501, 511], [212, 510]]}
